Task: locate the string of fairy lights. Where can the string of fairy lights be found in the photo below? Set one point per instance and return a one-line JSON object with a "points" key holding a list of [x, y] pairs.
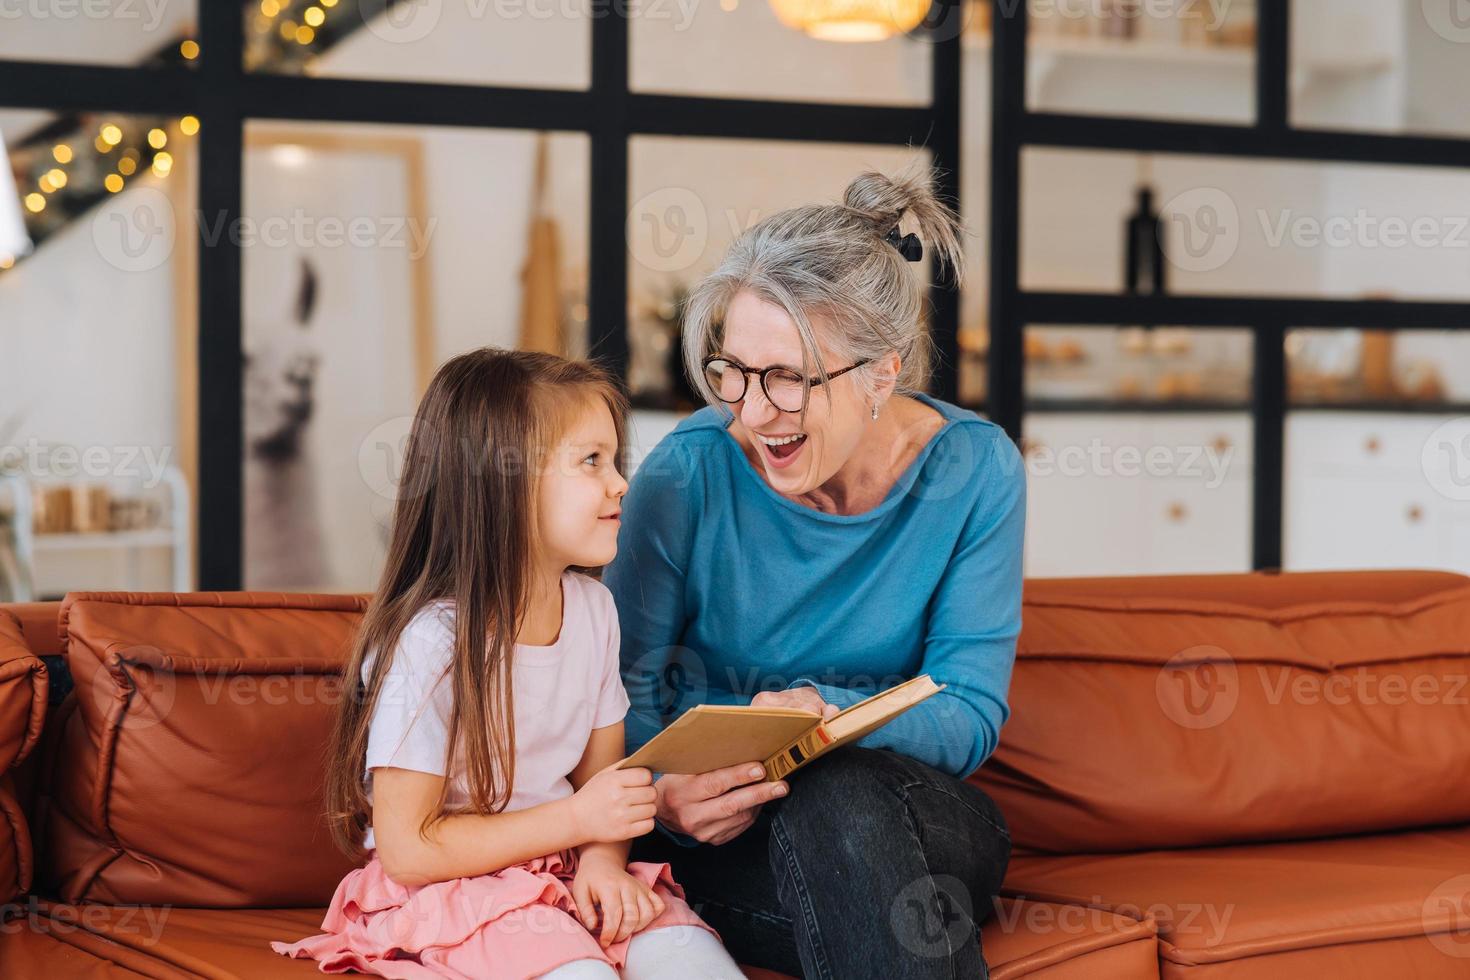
{"points": [[283, 35], [61, 178], [77, 161]]}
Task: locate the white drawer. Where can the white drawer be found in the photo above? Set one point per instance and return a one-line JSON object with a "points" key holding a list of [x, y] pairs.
{"points": [[1206, 445], [1341, 523], [1196, 527], [1362, 444]]}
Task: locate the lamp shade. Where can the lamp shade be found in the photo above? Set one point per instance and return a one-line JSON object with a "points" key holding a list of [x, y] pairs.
{"points": [[13, 238], [851, 20]]}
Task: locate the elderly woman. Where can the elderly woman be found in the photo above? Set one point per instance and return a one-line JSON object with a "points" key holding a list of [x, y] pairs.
{"points": [[821, 531]]}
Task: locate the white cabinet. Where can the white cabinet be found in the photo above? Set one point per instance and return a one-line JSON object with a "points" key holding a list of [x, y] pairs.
{"points": [[1358, 495], [1137, 493], [1080, 518]]}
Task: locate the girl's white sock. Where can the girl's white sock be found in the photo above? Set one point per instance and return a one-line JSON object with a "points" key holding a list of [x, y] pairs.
{"points": [[588, 969], [679, 953]]}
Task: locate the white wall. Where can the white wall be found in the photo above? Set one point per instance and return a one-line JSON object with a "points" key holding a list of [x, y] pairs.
{"points": [[117, 32]]}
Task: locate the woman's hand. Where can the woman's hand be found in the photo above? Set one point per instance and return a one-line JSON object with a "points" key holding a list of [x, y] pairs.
{"points": [[715, 806], [614, 805], [626, 904], [720, 805], [805, 698]]}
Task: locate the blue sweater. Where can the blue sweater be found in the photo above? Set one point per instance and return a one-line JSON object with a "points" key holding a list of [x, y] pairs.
{"points": [[725, 588]]}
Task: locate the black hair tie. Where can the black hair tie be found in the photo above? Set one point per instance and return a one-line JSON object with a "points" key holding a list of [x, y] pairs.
{"points": [[908, 246]]}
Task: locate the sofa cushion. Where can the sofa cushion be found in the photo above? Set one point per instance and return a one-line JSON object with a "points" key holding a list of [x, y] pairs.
{"points": [[222, 944], [1382, 905], [26, 951], [23, 684], [190, 771], [1024, 939], [1048, 941], [1191, 710]]}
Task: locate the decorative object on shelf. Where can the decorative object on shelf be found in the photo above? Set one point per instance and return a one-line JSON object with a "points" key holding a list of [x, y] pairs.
{"points": [[1237, 25], [1328, 367], [90, 508], [1178, 364], [1062, 350], [1145, 273], [1323, 365], [134, 514], [974, 344], [43, 515], [1420, 381], [73, 507], [657, 377], [851, 20], [1377, 365], [1058, 366], [1120, 18]]}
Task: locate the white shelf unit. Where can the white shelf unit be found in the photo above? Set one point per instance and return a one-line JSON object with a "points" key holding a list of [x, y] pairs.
{"points": [[17, 493], [1349, 69]]}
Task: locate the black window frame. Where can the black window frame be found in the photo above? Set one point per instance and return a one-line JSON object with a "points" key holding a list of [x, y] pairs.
{"points": [[224, 96], [1014, 127]]}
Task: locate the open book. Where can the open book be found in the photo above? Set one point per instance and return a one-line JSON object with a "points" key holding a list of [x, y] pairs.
{"points": [[712, 736]]}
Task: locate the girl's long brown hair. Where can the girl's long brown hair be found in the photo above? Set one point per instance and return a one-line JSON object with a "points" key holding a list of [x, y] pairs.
{"points": [[464, 529]]}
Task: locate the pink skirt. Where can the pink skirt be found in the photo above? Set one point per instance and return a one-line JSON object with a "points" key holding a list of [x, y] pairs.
{"points": [[515, 924]]}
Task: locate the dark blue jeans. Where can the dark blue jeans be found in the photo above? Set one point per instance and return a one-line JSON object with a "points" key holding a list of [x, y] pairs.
{"points": [[875, 865]]}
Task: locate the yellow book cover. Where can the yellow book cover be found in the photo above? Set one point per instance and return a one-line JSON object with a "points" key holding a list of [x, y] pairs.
{"points": [[712, 736]]}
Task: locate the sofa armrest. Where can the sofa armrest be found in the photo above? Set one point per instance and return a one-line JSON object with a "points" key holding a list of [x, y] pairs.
{"points": [[23, 686]]}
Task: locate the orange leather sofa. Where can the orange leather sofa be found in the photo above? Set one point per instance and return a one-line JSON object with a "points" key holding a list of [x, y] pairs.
{"points": [[1240, 776]]}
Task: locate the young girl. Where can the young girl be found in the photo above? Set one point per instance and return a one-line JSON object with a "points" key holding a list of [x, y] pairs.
{"points": [[474, 769]]}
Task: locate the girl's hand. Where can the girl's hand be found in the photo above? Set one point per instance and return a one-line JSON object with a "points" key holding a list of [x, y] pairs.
{"points": [[615, 805], [627, 904]]}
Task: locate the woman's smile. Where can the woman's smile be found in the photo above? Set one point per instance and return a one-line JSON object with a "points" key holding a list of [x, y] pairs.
{"points": [[781, 451]]}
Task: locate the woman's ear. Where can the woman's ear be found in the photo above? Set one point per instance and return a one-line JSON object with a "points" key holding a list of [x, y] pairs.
{"points": [[885, 373]]}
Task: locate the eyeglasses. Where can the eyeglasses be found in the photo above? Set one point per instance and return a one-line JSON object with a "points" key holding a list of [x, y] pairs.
{"points": [[784, 388]]}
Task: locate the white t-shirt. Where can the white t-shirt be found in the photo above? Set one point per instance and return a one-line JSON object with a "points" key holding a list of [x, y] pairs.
{"points": [[562, 692]]}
